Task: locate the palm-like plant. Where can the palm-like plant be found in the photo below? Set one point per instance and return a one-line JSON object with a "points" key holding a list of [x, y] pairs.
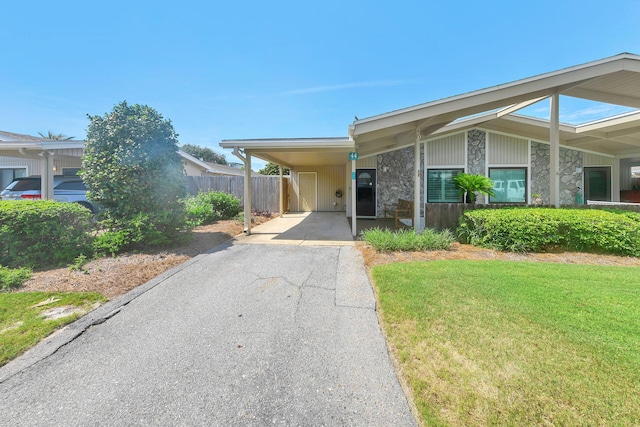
{"points": [[470, 184], [55, 136]]}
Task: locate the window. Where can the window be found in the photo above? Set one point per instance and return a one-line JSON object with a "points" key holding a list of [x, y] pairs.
{"points": [[70, 171], [8, 175], [440, 186], [510, 185]]}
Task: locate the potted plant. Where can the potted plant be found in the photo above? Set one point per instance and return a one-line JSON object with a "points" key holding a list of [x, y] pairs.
{"points": [[536, 199], [470, 184]]}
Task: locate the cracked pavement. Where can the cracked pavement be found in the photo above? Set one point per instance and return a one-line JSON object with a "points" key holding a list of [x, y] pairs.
{"points": [[243, 335]]}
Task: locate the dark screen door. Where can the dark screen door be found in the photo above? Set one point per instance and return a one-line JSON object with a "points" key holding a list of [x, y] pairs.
{"points": [[366, 192], [597, 184]]}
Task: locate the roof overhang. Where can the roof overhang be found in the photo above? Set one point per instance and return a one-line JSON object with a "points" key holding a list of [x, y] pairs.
{"points": [[36, 149], [292, 152], [614, 80]]}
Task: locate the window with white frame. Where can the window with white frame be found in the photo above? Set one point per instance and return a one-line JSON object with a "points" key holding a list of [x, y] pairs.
{"points": [[9, 174], [440, 186]]}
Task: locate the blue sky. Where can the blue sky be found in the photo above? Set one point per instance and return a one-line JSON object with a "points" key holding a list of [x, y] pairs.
{"points": [[227, 70]]}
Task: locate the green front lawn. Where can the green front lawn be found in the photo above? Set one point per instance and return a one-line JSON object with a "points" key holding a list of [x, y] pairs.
{"points": [[22, 325], [513, 343]]}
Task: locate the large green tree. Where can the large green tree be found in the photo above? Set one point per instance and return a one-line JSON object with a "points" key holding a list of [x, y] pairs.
{"points": [[204, 154], [132, 168], [273, 169]]}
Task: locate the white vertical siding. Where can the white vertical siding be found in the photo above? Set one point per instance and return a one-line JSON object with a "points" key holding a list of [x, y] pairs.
{"points": [[591, 159], [446, 151], [34, 166], [507, 150], [330, 179], [367, 163]]}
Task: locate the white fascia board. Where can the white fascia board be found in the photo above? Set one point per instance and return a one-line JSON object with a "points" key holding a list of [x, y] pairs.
{"points": [[535, 121], [602, 124], [40, 145], [61, 145], [515, 107], [484, 118], [304, 143], [537, 86]]}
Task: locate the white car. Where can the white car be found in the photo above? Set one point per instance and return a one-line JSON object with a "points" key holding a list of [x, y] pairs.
{"points": [[514, 190], [68, 189]]}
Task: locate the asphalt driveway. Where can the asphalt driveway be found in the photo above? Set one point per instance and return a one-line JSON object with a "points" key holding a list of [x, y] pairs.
{"points": [[245, 335]]}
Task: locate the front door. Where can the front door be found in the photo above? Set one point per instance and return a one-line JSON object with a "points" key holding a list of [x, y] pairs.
{"points": [[307, 197], [597, 184], [366, 193]]}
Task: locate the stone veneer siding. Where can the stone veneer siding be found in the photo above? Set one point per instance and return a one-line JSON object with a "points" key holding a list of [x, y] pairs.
{"points": [[570, 180], [477, 155], [540, 178], [397, 182]]}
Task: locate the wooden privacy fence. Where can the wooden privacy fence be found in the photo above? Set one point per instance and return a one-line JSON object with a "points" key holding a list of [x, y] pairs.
{"points": [[265, 190], [447, 215]]}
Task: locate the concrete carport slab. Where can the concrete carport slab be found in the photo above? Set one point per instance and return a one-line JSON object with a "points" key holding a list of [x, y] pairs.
{"points": [[302, 228]]}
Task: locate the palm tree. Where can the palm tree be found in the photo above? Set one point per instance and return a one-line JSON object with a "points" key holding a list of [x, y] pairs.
{"points": [[56, 136], [470, 184]]}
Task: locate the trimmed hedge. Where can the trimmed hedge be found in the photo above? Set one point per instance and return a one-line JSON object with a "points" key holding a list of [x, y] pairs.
{"points": [[548, 229], [43, 233], [408, 240]]}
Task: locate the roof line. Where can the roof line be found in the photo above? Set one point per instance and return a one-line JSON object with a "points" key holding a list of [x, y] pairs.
{"points": [[498, 87]]}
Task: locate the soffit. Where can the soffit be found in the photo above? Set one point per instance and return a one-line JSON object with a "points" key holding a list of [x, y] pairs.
{"points": [[613, 80], [296, 152]]}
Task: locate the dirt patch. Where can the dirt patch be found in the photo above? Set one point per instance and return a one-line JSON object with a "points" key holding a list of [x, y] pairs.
{"points": [[112, 277]]}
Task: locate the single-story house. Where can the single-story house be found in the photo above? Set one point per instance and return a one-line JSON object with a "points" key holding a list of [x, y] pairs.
{"points": [[196, 167], [415, 152], [26, 155]]}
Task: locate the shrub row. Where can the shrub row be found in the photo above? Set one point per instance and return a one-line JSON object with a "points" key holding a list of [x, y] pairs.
{"points": [[407, 240], [548, 229], [143, 230], [42, 233], [208, 207]]}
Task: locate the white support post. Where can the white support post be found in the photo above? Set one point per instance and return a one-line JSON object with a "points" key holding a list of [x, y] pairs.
{"points": [[46, 184], [417, 225], [281, 192], [554, 158], [247, 194], [354, 228], [246, 159]]}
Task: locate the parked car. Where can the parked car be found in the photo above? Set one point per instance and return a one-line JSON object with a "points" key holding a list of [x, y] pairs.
{"points": [[515, 190], [68, 189]]}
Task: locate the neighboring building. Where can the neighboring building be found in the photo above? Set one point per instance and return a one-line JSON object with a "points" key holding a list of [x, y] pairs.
{"points": [[196, 167], [414, 153], [26, 155]]}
